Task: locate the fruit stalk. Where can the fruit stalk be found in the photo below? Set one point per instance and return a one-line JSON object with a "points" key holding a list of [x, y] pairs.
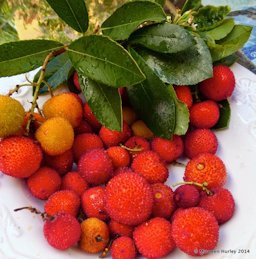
{"points": [[201, 185]]}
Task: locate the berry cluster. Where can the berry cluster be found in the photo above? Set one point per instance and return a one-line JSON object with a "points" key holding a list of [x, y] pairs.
{"points": [[105, 190]]}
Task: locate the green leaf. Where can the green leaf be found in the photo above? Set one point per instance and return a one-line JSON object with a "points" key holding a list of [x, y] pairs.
{"points": [[23, 56], [191, 4], [104, 101], [105, 61], [222, 30], [188, 67], [227, 61], [73, 12], [164, 38], [208, 17], [153, 102], [225, 113], [129, 16], [57, 72], [182, 114], [7, 31], [161, 2], [230, 44]]}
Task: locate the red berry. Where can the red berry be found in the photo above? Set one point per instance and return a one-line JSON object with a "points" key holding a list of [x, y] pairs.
{"points": [[122, 170], [149, 165], [119, 156], [184, 94], [164, 204], [200, 141], [75, 182], [129, 199], [186, 196], [204, 114], [220, 86], [44, 182], [85, 142], [119, 229], [153, 238], [95, 166], [65, 201], [90, 117], [195, 231], [126, 132], [76, 81], [221, 204], [84, 127], [62, 232], [168, 150], [93, 203], [139, 143], [123, 248]]}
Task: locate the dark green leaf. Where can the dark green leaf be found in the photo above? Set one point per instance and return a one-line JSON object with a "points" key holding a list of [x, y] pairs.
{"points": [[225, 112], [230, 44], [104, 101], [105, 61], [23, 56], [57, 72], [227, 61], [164, 38], [73, 12], [222, 30], [208, 17], [191, 4], [182, 114], [188, 67], [128, 17], [153, 102]]}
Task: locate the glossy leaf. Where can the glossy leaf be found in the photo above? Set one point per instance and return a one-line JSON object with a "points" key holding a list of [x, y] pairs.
{"points": [[105, 61], [129, 16], [104, 101], [153, 102], [164, 38], [73, 12], [227, 61], [208, 17], [23, 56], [191, 4], [188, 67], [225, 113], [57, 72], [230, 44]]}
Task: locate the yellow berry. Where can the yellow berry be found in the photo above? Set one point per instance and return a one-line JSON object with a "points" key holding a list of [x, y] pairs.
{"points": [[129, 115], [140, 129]]}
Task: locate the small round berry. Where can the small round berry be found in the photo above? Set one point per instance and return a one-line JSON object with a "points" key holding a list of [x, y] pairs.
{"points": [[119, 156], [129, 115], [123, 248], [119, 229], [186, 196], [184, 94], [137, 145], [90, 117], [140, 129], [76, 81]]}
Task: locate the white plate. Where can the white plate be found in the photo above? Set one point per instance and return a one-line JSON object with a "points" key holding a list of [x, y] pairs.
{"points": [[21, 234]]}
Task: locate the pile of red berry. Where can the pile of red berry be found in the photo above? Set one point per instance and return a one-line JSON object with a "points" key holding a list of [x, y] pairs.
{"points": [[105, 190]]}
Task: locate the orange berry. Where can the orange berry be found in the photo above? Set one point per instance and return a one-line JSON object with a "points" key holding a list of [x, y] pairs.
{"points": [[19, 156], [119, 156], [55, 135], [95, 235], [129, 115], [184, 94], [207, 168], [140, 129], [65, 105]]}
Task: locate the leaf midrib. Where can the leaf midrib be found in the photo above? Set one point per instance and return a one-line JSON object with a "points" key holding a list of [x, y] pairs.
{"points": [[74, 15]]}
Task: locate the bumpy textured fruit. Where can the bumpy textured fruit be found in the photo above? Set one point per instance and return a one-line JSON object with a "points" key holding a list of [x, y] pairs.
{"points": [[168, 150], [62, 232], [149, 165], [129, 199], [129, 115], [200, 141], [164, 204], [95, 235], [206, 168], [56, 136], [220, 86], [44, 182], [184, 94], [121, 170], [119, 229], [75, 182], [93, 202], [154, 238], [140, 129], [90, 117], [95, 166], [62, 163], [123, 248], [137, 145], [119, 156], [65, 201], [186, 196], [19, 156], [12, 116], [65, 105], [204, 114], [221, 204], [195, 231], [85, 142]]}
